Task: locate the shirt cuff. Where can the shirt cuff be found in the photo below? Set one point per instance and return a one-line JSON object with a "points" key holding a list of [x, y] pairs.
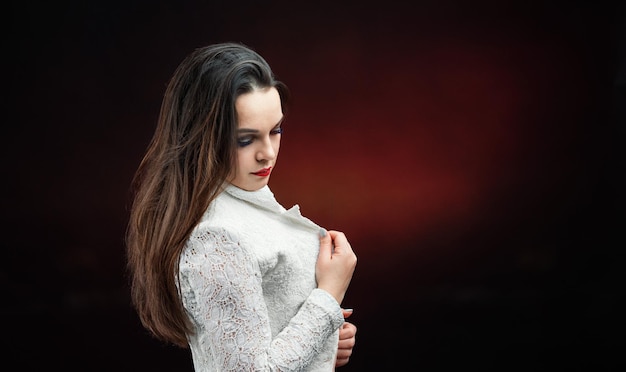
{"points": [[329, 304]]}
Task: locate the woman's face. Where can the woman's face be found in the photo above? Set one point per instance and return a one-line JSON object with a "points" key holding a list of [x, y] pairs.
{"points": [[258, 137]]}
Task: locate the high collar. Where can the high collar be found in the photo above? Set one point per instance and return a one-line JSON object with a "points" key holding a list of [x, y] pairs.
{"points": [[264, 198]]}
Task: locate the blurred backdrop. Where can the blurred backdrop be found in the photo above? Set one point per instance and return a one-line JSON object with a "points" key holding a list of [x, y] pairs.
{"points": [[472, 151]]}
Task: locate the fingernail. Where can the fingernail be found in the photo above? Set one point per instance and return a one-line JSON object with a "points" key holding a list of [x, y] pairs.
{"points": [[322, 232], [348, 310]]}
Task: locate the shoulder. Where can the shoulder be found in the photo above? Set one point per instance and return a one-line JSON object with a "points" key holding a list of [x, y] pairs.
{"points": [[209, 248], [229, 212], [210, 239]]}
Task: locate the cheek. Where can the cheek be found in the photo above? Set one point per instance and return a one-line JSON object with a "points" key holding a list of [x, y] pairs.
{"points": [[276, 145], [245, 156]]}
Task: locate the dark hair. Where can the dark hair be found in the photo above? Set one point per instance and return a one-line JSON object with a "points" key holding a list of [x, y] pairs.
{"points": [[186, 163]]}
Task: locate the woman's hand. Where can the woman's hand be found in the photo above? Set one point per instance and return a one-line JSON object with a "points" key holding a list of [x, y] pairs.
{"points": [[347, 339], [335, 263]]}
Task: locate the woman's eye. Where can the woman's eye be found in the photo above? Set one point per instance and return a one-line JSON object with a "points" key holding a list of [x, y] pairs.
{"points": [[244, 141], [277, 131]]}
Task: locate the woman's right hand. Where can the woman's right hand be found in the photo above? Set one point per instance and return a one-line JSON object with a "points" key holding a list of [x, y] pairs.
{"points": [[335, 263]]}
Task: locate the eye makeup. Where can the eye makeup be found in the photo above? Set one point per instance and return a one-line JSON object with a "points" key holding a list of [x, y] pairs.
{"points": [[246, 136]]}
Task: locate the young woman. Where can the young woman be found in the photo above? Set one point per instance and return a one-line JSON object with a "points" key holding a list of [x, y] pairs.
{"points": [[216, 263]]}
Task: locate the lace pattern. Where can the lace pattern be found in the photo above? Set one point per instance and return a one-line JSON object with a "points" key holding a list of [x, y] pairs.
{"points": [[221, 289]]}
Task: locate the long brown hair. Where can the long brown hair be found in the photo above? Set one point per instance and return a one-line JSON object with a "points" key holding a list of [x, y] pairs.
{"points": [[185, 165]]}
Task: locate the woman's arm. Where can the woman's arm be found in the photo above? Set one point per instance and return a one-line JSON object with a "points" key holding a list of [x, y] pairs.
{"points": [[221, 289]]}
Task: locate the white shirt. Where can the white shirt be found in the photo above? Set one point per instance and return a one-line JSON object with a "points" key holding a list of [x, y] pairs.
{"points": [[247, 280]]}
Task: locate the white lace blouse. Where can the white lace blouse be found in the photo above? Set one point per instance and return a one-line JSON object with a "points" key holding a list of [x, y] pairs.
{"points": [[247, 281]]}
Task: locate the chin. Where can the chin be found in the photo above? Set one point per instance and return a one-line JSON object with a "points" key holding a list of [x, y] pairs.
{"points": [[252, 186]]}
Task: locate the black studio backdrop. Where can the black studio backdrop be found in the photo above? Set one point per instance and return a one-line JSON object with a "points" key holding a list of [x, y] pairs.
{"points": [[81, 75]]}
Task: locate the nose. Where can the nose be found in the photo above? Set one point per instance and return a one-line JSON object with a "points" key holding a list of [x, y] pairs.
{"points": [[266, 151]]}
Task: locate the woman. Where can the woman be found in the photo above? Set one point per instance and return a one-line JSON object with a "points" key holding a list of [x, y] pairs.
{"points": [[216, 263]]}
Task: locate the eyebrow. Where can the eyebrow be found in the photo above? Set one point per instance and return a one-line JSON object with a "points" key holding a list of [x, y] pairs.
{"points": [[249, 130]]}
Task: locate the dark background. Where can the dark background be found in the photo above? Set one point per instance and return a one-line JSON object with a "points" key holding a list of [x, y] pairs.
{"points": [[472, 151]]}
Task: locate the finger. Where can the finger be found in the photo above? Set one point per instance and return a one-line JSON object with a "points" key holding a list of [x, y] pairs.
{"points": [[326, 244], [344, 352], [347, 331], [347, 312], [339, 240], [346, 344], [341, 362]]}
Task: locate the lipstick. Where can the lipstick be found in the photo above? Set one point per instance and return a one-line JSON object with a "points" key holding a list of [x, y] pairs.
{"points": [[263, 172]]}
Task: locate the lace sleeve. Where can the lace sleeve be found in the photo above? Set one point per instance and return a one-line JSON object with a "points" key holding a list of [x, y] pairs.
{"points": [[221, 290]]}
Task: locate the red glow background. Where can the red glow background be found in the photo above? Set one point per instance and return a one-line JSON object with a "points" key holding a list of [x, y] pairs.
{"points": [[473, 153]]}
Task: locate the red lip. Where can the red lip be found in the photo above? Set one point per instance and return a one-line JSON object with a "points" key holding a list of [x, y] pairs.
{"points": [[263, 172]]}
